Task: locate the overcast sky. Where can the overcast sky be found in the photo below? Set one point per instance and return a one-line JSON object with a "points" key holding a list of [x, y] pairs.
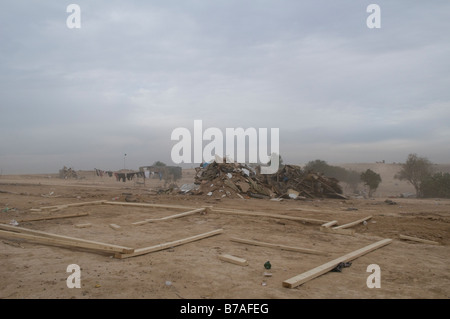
{"points": [[136, 70]]}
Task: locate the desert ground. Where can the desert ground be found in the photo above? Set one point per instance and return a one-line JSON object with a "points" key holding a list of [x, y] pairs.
{"points": [[408, 269]]}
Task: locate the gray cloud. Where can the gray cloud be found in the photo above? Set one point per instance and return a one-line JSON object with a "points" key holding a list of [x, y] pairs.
{"points": [[138, 69]]}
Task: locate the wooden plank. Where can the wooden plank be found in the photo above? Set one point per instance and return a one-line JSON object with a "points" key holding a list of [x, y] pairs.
{"points": [[282, 247], [329, 224], [107, 248], [322, 269], [83, 225], [114, 226], [49, 217], [147, 205], [146, 250], [356, 222], [142, 222], [191, 212], [348, 232], [259, 214], [233, 259], [425, 241], [98, 202], [89, 243]]}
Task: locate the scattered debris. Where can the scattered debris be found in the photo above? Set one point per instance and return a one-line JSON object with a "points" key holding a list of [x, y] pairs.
{"points": [[131, 199], [83, 225], [50, 195], [114, 226], [186, 188], [390, 202], [341, 265]]}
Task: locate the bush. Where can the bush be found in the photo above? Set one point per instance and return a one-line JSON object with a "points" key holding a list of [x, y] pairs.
{"points": [[349, 177], [437, 185]]}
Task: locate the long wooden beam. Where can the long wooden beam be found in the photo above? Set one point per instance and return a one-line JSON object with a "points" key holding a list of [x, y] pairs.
{"points": [[340, 231], [146, 250], [77, 242], [98, 202], [320, 270], [48, 217], [107, 248], [329, 224], [259, 214], [282, 247], [356, 222], [191, 212], [425, 241], [147, 205]]}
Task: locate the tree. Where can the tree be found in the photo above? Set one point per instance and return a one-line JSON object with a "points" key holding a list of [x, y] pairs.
{"points": [[317, 166], [371, 179], [416, 170], [159, 163], [437, 185]]}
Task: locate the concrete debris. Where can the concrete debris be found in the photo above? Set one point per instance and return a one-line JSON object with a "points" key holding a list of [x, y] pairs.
{"points": [[244, 181], [185, 188]]}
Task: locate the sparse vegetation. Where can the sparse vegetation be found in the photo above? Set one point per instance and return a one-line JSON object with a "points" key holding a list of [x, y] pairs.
{"points": [[437, 185], [416, 170]]}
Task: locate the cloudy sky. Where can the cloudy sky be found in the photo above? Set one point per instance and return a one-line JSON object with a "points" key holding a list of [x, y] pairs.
{"points": [[136, 70]]}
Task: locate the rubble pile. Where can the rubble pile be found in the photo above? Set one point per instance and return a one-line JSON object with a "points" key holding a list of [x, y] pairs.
{"points": [[66, 173], [291, 181], [241, 180]]}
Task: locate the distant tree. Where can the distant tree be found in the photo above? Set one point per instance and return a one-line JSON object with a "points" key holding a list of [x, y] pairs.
{"points": [[371, 179], [437, 185], [416, 170], [159, 163], [317, 166]]}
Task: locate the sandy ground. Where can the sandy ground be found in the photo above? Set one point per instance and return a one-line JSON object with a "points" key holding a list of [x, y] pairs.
{"points": [[31, 270]]}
